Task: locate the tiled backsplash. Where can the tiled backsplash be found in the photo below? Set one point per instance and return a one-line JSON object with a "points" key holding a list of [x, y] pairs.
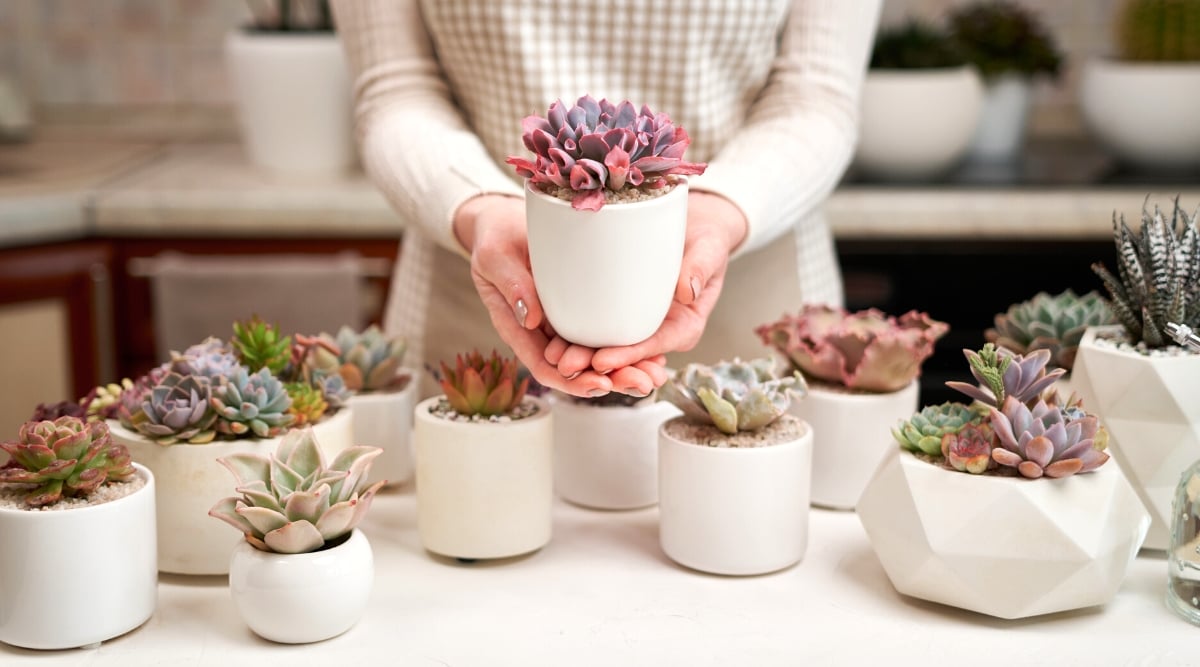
{"points": [[114, 53]]}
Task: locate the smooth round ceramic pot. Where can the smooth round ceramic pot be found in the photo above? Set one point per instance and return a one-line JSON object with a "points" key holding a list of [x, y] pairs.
{"points": [[850, 438], [302, 598], [74, 577], [1003, 119], [1144, 113], [484, 490], [607, 457], [737, 511], [292, 93], [917, 124], [191, 481], [606, 278], [385, 420]]}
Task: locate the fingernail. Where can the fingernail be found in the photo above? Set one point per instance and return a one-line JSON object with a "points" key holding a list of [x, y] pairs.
{"points": [[695, 288], [597, 393], [635, 392], [605, 372], [574, 375], [521, 311]]}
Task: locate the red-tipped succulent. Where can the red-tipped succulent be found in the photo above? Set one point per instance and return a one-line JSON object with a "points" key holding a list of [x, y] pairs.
{"points": [[483, 386], [65, 457]]}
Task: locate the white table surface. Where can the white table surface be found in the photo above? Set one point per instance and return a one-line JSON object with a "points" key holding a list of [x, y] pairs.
{"points": [[602, 593]]}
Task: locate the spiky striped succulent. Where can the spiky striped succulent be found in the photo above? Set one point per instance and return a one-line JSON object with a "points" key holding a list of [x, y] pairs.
{"points": [[970, 449], [368, 361], [67, 457], [260, 345], [733, 395], [178, 409], [251, 404], [483, 386], [308, 403], [292, 502], [595, 146], [1043, 440], [1054, 323], [1001, 373], [1158, 275], [924, 431]]}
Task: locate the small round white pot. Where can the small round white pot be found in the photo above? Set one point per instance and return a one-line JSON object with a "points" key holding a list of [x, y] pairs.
{"points": [[1144, 113], [850, 438], [606, 278], [293, 100], [1004, 117], [607, 457], [385, 420], [190, 482], [738, 511], [917, 124], [484, 490], [302, 598], [74, 577]]}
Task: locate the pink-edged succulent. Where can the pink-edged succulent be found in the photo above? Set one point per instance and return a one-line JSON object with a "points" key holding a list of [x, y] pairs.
{"points": [[865, 350], [67, 457], [970, 448], [597, 145], [1046, 439]]}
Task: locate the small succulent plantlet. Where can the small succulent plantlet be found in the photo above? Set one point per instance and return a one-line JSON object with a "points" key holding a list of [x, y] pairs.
{"points": [[308, 403], [52, 411], [1001, 36], [251, 403], [367, 361], [210, 358], [916, 45], [1158, 277], [259, 345], [926, 430], [1001, 374], [1159, 30], [1043, 441], [595, 146], [104, 401], [485, 386], [292, 502], [1055, 323], [177, 409], [67, 457], [970, 448], [866, 350], [733, 395]]}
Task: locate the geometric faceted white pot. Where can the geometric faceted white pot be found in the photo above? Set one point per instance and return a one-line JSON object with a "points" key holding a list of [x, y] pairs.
{"points": [[606, 278], [850, 437], [1151, 409], [1002, 121], [302, 598], [384, 419], [190, 482], [606, 457], [484, 489], [74, 577], [734, 510], [1004, 546]]}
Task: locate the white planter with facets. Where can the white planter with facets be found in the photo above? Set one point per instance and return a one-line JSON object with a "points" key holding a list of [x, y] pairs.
{"points": [[1149, 406], [1004, 546], [190, 482], [730, 510], [1003, 119], [79, 576], [484, 489], [606, 278], [385, 420], [849, 437], [302, 598]]}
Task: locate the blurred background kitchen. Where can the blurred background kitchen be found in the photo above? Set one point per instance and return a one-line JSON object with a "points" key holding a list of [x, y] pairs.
{"points": [[137, 213]]}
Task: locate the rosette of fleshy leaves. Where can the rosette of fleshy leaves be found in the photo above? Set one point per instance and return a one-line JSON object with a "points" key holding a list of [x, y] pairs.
{"points": [[251, 403], [315, 363], [308, 403], [733, 395], [484, 386], [368, 361], [1051, 322], [866, 350], [595, 146], [1046, 440], [970, 448], [67, 457], [259, 344], [925, 430], [211, 358], [291, 501], [104, 401], [177, 409], [1001, 373]]}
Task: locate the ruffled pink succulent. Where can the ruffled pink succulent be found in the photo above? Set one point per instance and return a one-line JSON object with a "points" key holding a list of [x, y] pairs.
{"points": [[598, 145], [866, 350]]}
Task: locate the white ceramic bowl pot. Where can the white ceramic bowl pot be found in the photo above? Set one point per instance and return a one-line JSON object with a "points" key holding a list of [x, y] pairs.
{"points": [[78, 576], [1144, 113], [484, 489], [606, 278], [734, 510], [1008, 547], [917, 124], [385, 420], [848, 437], [606, 456], [190, 482], [302, 598], [1149, 406]]}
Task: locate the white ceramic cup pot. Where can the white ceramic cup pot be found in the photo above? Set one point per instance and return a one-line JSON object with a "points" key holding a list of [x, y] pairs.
{"points": [[79, 576], [385, 419], [1003, 119]]}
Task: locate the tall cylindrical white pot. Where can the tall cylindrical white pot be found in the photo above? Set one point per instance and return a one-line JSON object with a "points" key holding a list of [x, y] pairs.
{"points": [[385, 420], [606, 278], [484, 490], [79, 576], [1004, 117]]}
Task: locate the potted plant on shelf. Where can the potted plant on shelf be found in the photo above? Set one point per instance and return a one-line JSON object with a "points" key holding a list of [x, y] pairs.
{"points": [[1183, 553], [299, 517], [1158, 58], [1013, 485], [484, 455], [76, 518], [862, 371], [921, 102], [1010, 46], [1141, 383], [605, 195], [734, 469]]}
